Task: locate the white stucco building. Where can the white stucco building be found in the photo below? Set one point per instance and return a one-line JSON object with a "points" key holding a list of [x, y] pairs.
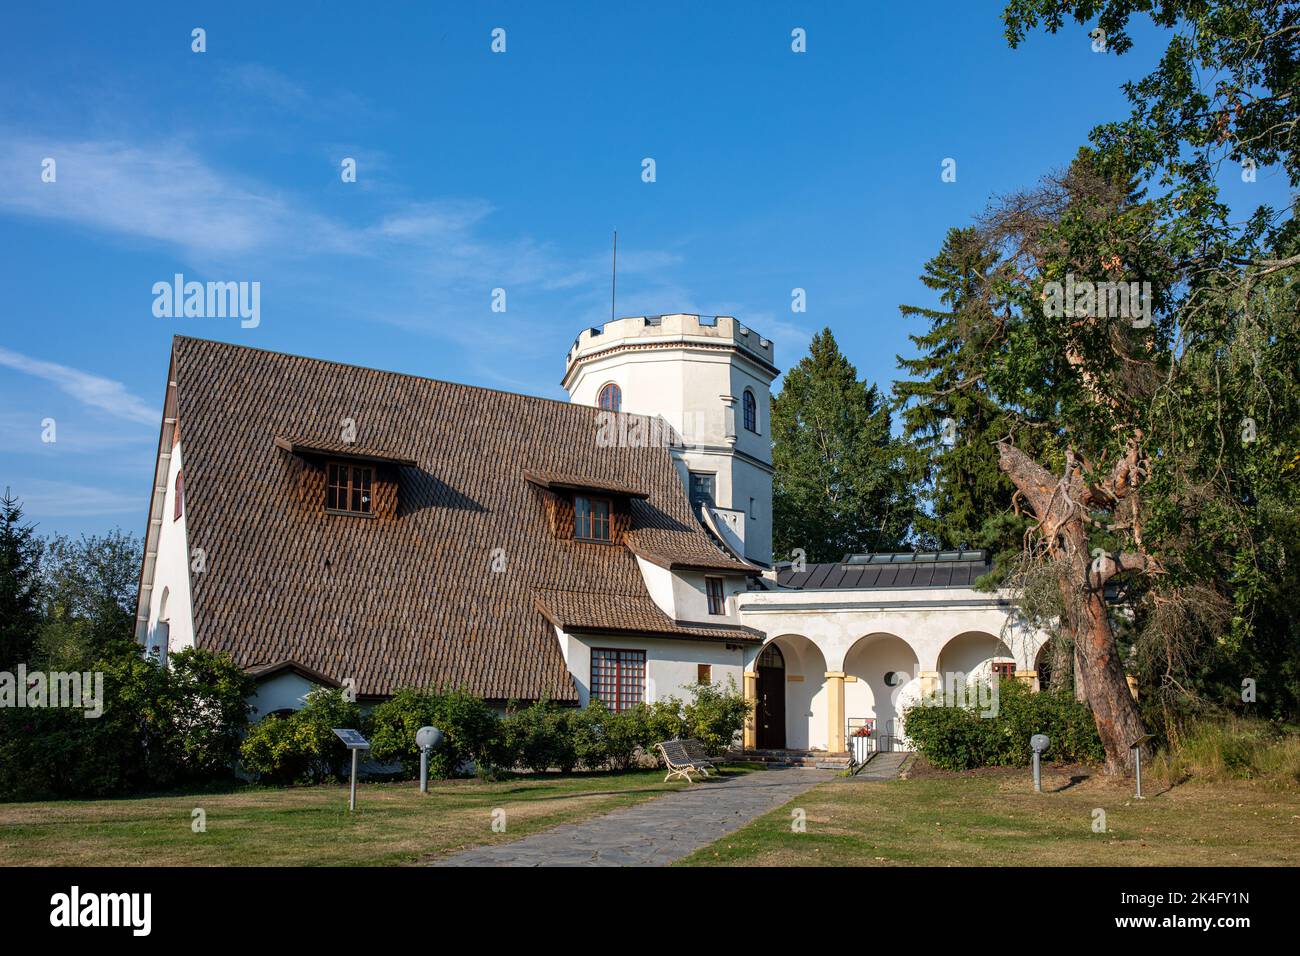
{"points": [[332, 525]]}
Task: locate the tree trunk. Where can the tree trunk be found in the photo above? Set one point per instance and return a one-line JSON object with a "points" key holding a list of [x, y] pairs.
{"points": [[1104, 685], [1057, 505]]}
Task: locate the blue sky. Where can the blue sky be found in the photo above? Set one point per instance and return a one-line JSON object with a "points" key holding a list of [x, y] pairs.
{"points": [[476, 170]]}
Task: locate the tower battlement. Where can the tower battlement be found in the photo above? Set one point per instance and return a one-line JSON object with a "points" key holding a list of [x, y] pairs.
{"points": [[677, 328]]}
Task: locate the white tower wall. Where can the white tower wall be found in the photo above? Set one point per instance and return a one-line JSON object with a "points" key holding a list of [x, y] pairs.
{"points": [[694, 373]]}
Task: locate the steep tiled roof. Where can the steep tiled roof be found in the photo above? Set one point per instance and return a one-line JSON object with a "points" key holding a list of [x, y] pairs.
{"points": [[579, 612], [409, 596]]}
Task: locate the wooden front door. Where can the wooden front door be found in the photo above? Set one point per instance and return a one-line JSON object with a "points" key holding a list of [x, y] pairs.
{"points": [[770, 711]]}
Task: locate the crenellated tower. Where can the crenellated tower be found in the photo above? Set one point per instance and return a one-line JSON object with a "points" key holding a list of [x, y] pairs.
{"points": [[709, 378]]}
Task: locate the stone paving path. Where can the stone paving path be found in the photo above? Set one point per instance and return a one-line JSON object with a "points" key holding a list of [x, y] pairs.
{"points": [[656, 832]]}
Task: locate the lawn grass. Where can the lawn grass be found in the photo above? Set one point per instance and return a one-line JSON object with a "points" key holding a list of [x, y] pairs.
{"points": [[993, 817], [394, 823]]}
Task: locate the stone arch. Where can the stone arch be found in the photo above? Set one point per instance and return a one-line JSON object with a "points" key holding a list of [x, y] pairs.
{"points": [[973, 653], [888, 681], [805, 692]]}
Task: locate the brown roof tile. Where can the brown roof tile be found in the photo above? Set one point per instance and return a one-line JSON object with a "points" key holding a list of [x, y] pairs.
{"points": [[580, 612], [408, 596]]}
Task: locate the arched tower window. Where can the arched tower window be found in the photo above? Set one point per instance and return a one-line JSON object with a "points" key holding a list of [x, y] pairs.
{"points": [[611, 398], [751, 411]]}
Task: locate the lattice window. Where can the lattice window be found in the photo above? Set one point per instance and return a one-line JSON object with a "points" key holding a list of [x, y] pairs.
{"points": [[617, 677], [751, 411], [611, 398], [591, 518], [347, 488]]}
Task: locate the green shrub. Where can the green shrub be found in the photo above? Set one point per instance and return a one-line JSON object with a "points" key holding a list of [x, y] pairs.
{"points": [[271, 751], [471, 731], [605, 738], [160, 727], [537, 738], [715, 716], [302, 747], [207, 713], [959, 738]]}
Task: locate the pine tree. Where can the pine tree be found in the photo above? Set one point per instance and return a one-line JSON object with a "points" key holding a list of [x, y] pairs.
{"points": [[950, 418], [840, 485], [20, 584]]}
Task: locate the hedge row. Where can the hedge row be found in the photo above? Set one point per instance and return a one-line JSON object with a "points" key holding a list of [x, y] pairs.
{"points": [[958, 738], [161, 727], [301, 747]]}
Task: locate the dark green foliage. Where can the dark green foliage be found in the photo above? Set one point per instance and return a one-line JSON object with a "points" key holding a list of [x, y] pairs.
{"points": [[839, 485], [470, 729], [958, 738], [302, 747], [950, 419], [89, 592], [20, 585], [206, 713], [539, 737], [153, 733]]}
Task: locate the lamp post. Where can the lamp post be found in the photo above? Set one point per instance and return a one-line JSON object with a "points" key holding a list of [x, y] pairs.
{"points": [[427, 739], [1136, 748], [1038, 743]]}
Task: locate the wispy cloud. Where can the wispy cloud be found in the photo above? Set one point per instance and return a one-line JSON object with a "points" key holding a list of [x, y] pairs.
{"points": [[94, 391], [160, 192], [42, 498]]}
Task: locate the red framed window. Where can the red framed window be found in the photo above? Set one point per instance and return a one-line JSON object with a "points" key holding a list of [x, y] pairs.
{"points": [[591, 518], [717, 600], [617, 677], [347, 488], [1004, 668], [178, 505], [611, 398]]}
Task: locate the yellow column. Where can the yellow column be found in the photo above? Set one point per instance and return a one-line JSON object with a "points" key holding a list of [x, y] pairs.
{"points": [[751, 722], [1030, 678], [931, 684], [835, 697]]}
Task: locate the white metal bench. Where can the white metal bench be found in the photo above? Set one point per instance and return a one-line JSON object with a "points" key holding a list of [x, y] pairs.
{"points": [[680, 762]]}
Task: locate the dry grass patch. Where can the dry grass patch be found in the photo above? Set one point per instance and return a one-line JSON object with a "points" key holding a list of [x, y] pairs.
{"points": [[993, 817], [394, 823]]}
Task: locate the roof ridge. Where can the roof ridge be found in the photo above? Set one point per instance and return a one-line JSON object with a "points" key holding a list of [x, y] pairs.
{"points": [[386, 371]]}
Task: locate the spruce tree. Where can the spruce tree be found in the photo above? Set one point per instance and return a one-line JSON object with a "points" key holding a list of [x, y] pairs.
{"points": [[20, 584], [840, 485], [950, 418]]}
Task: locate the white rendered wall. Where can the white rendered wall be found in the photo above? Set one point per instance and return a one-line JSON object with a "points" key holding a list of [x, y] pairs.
{"points": [[694, 377], [671, 666], [172, 571], [866, 634], [285, 691]]}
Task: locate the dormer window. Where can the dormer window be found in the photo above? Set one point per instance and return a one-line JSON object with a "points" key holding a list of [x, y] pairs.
{"points": [[611, 398], [347, 488], [591, 518]]}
